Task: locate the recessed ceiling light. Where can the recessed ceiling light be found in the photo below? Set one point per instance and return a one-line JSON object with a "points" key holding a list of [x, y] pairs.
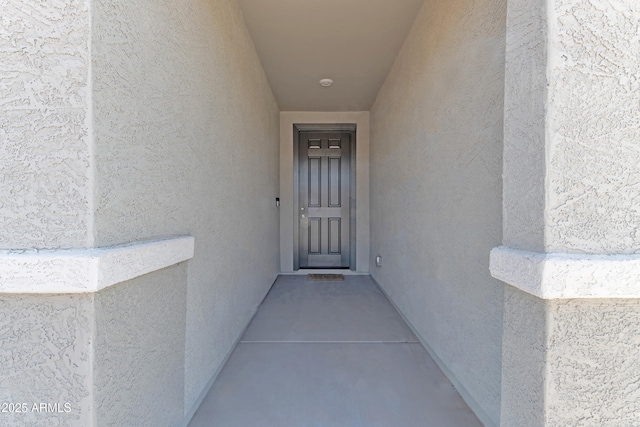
{"points": [[326, 82]]}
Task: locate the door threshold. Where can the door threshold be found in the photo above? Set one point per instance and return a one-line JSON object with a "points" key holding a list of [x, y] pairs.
{"points": [[305, 271]]}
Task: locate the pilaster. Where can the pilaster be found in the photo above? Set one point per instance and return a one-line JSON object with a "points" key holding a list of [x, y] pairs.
{"points": [[571, 214]]}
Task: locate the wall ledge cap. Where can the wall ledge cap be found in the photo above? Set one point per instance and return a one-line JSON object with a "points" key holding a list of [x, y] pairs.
{"points": [[87, 270], [564, 276]]}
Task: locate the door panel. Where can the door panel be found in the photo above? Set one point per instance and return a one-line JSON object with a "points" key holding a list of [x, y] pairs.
{"points": [[315, 179], [334, 182], [324, 199], [335, 245], [315, 236]]}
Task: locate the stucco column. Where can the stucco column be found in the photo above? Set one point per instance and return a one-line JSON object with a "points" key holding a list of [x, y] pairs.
{"points": [[75, 350], [571, 352], [45, 205]]}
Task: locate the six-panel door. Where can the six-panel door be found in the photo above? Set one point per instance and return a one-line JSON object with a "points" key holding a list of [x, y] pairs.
{"points": [[324, 199]]}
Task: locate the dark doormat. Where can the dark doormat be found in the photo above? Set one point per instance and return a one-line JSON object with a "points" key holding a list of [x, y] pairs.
{"points": [[325, 277]]}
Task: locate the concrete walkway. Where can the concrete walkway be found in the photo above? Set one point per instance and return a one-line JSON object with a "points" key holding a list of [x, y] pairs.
{"points": [[330, 354]]}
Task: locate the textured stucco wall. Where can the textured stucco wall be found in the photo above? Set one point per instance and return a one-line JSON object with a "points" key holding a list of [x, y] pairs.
{"points": [[570, 362], [127, 121], [524, 347], [525, 92], [139, 350], [594, 127], [572, 101], [593, 363], [112, 358], [586, 53], [46, 358], [44, 122], [436, 164], [186, 142]]}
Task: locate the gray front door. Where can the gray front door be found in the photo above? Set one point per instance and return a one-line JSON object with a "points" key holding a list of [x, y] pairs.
{"points": [[324, 199]]}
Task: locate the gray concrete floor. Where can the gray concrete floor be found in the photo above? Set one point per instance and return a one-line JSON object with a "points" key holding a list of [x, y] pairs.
{"points": [[330, 354]]}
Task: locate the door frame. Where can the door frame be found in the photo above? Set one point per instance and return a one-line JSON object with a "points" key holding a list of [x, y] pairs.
{"points": [[351, 129], [286, 209]]}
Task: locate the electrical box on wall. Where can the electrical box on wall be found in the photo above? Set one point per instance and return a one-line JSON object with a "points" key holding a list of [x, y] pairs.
{"points": [[379, 261]]}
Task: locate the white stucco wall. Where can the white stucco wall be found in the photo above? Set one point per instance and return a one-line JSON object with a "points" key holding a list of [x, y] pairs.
{"points": [[45, 192], [593, 374], [593, 127], [524, 132], [46, 358], [570, 362], [138, 354], [524, 347], [572, 102], [45, 183], [126, 122], [436, 165], [110, 358], [186, 142], [571, 312]]}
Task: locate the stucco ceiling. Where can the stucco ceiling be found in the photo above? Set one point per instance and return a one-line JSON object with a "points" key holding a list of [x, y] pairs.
{"points": [[353, 42]]}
